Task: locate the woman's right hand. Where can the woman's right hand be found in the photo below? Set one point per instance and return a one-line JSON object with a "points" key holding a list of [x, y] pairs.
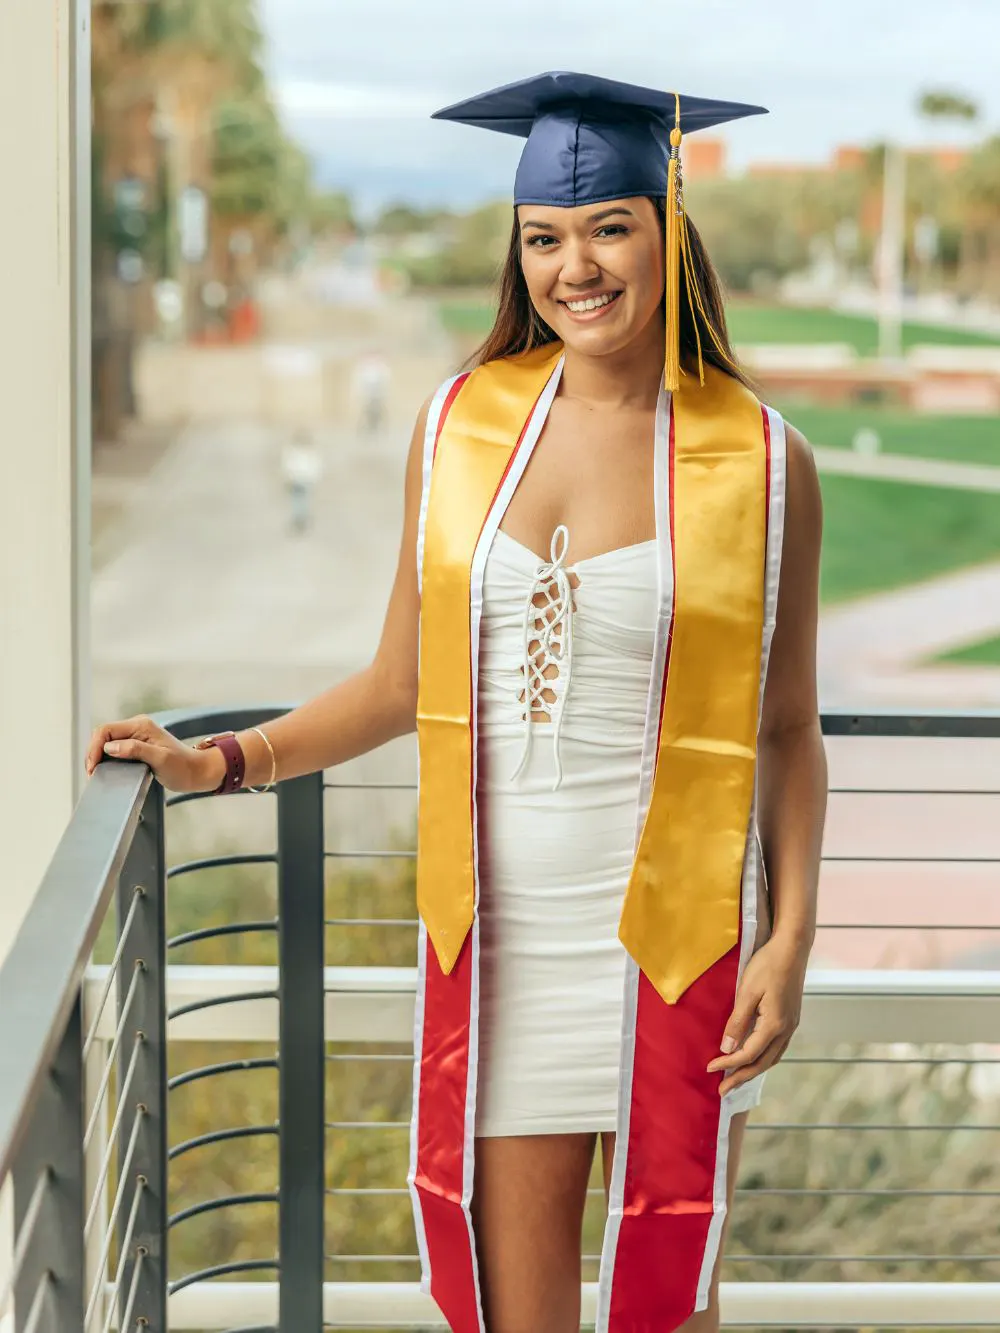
{"points": [[176, 765]]}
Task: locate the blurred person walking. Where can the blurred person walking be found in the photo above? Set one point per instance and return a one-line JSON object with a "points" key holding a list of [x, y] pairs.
{"points": [[372, 378], [603, 630], [302, 467]]}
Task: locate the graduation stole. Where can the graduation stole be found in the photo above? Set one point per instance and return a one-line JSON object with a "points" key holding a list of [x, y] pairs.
{"points": [[682, 907]]}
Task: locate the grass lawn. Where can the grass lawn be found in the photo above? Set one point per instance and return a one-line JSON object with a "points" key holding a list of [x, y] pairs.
{"points": [[467, 317], [986, 653], [885, 534], [750, 323], [961, 439]]}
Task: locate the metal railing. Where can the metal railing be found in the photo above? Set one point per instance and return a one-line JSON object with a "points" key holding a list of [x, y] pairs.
{"points": [[86, 1098], [84, 1089], [112, 850]]}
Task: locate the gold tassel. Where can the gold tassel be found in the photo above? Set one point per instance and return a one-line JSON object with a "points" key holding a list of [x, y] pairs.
{"points": [[678, 268], [675, 203]]}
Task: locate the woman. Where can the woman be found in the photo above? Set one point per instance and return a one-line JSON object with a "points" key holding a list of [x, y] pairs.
{"points": [[603, 572]]}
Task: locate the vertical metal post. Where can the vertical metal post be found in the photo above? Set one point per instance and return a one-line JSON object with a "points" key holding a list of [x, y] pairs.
{"points": [[55, 1143], [302, 1053], [145, 869]]}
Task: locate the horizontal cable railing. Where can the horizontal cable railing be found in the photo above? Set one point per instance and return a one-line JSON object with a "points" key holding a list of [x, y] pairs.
{"points": [[299, 1050], [915, 1011], [79, 1114]]}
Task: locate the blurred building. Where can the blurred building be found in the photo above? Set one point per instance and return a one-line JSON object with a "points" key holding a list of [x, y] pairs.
{"points": [[704, 158], [855, 157]]}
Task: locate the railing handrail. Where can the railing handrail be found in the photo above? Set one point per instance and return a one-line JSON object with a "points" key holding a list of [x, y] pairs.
{"points": [[44, 968], [929, 723]]}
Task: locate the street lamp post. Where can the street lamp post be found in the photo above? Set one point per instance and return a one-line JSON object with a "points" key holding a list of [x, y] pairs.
{"points": [[891, 253]]}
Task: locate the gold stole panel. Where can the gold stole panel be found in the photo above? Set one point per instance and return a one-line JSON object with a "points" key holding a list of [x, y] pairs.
{"points": [[682, 907]]}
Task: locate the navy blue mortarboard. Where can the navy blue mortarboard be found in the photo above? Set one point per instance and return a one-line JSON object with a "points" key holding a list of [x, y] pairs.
{"points": [[590, 139]]}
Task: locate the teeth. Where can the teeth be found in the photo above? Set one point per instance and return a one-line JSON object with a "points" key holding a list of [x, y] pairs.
{"points": [[591, 303]]}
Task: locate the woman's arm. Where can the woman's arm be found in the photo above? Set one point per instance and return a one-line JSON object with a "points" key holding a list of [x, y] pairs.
{"points": [[792, 761], [364, 711], [792, 790]]}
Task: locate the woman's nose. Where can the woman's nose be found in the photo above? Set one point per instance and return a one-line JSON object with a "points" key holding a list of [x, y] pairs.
{"points": [[578, 267]]}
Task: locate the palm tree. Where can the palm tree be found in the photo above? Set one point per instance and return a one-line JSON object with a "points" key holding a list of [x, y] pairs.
{"points": [[945, 105], [941, 105]]}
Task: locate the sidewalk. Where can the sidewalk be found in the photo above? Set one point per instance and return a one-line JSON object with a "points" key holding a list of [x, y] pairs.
{"points": [[918, 471], [872, 650]]}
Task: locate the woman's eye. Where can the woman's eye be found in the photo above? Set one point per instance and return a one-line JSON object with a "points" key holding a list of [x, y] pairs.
{"points": [[613, 229], [537, 241]]}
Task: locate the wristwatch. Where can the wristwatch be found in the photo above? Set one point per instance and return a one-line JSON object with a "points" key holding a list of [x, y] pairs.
{"points": [[236, 764]]}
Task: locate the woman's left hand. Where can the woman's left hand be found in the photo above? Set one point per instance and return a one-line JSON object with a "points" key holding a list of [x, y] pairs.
{"points": [[765, 1016]]}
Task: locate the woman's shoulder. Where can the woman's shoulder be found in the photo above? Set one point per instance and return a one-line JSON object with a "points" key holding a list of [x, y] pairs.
{"points": [[802, 485], [798, 450]]}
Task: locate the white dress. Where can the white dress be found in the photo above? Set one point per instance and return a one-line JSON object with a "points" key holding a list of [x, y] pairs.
{"points": [[558, 805]]}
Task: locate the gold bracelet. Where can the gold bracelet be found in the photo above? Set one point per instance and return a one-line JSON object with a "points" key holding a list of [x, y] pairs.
{"points": [[274, 765]]}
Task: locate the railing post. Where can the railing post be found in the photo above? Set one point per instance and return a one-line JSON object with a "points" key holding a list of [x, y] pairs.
{"points": [[54, 1144], [142, 1293], [302, 1053]]}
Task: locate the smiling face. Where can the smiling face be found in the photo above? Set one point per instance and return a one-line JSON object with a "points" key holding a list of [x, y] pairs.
{"points": [[594, 273]]}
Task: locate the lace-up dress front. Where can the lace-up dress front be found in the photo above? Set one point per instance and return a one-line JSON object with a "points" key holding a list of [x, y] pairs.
{"points": [[565, 661]]}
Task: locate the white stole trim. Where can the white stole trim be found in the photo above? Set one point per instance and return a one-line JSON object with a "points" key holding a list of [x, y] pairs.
{"points": [[430, 438], [741, 1099]]}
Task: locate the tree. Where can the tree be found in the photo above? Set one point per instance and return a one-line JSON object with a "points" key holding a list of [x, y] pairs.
{"points": [[940, 105], [757, 229], [180, 100], [330, 211], [248, 146], [980, 185], [401, 219], [945, 105]]}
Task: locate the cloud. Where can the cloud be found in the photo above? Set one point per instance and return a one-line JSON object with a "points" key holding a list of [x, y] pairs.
{"points": [[357, 83], [312, 99]]}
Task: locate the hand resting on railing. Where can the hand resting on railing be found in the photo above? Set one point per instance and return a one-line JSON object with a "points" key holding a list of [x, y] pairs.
{"points": [[178, 766]]}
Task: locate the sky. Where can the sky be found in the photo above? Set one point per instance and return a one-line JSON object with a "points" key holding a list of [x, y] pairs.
{"points": [[356, 82]]}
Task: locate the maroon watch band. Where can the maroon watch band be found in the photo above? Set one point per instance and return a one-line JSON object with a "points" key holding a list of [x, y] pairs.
{"points": [[236, 764]]}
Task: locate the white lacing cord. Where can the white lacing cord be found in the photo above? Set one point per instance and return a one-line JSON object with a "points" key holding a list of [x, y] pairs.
{"points": [[551, 626]]}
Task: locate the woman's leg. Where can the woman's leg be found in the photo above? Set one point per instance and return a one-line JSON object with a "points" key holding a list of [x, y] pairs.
{"points": [[707, 1321], [527, 1208]]}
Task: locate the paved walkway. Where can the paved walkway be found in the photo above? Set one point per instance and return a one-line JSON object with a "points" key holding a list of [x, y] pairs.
{"points": [[899, 467], [872, 650], [212, 593], [876, 650]]}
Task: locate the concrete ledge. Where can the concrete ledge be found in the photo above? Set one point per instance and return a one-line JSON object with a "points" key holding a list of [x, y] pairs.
{"points": [[402, 1305], [376, 1004]]}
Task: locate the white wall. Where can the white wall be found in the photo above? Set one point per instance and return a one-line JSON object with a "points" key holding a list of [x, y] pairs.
{"points": [[44, 421]]}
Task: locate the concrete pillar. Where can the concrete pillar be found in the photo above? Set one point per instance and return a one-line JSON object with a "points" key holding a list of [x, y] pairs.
{"points": [[44, 434]]}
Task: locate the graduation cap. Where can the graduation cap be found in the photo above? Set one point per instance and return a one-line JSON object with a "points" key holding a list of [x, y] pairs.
{"points": [[590, 140]]}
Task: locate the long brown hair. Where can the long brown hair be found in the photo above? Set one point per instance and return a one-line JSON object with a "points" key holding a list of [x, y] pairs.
{"points": [[519, 327]]}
